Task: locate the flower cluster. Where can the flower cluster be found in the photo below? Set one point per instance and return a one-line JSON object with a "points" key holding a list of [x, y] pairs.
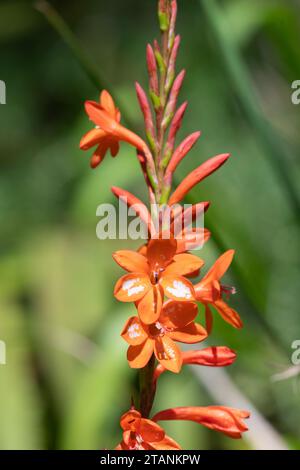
{"points": [[158, 279]]}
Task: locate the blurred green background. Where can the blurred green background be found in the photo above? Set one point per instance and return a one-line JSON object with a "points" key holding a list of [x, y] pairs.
{"points": [[66, 381]]}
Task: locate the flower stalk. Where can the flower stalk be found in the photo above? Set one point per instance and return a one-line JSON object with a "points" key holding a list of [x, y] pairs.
{"points": [[158, 279], [147, 387]]}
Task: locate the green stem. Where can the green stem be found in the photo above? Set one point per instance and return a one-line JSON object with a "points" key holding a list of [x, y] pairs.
{"points": [[147, 388]]}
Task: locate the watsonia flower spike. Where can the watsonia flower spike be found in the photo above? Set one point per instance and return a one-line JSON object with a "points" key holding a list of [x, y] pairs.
{"points": [[158, 279]]}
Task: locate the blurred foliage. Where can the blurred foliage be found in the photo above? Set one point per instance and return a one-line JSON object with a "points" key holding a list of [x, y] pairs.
{"points": [[66, 381]]}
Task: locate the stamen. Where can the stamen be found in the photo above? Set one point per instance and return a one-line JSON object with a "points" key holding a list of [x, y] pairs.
{"points": [[228, 290]]}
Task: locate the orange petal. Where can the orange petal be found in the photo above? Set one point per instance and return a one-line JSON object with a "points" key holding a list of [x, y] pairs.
{"points": [[160, 252], [207, 292], [190, 334], [150, 431], [100, 117], [177, 288], [129, 439], [166, 444], [107, 103], [111, 126], [228, 314], [149, 307], [219, 268], [99, 154], [143, 250], [131, 261], [168, 354], [92, 138], [114, 148], [133, 332], [130, 420], [184, 264], [139, 356], [177, 314], [192, 239], [132, 287], [96, 160]]}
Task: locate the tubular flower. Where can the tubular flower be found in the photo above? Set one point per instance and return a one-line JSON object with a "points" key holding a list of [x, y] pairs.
{"points": [[197, 175], [161, 271], [108, 131], [143, 434], [175, 323], [228, 421], [214, 356], [209, 291]]}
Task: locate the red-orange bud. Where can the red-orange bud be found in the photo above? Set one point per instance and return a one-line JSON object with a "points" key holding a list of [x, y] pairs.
{"points": [[204, 170]]}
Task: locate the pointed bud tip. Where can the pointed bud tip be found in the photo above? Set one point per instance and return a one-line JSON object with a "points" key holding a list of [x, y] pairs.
{"points": [[93, 165], [184, 105], [117, 191], [89, 103]]}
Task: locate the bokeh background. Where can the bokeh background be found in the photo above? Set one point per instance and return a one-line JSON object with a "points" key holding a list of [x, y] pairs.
{"points": [[66, 381]]}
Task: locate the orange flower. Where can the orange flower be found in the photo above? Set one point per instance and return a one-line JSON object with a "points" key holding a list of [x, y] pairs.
{"points": [[108, 131], [143, 434], [175, 323], [209, 291], [229, 421], [151, 276], [214, 356]]}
